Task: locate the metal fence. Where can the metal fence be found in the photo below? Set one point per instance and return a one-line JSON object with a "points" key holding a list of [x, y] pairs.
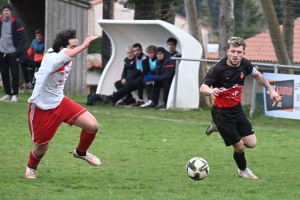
{"points": [[257, 65]]}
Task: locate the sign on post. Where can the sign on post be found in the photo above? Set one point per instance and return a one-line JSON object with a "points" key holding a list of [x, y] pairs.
{"points": [[288, 87]]}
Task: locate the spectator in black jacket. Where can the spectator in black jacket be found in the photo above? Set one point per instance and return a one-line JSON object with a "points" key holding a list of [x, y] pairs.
{"points": [[165, 70], [141, 68], [172, 44], [12, 46], [128, 75]]}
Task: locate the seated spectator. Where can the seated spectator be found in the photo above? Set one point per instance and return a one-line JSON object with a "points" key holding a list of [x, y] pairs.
{"points": [[165, 70], [36, 50], [172, 44], [128, 75], [141, 68], [151, 51]]}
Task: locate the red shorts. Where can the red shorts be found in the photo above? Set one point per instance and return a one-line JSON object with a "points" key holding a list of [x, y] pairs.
{"points": [[44, 123]]}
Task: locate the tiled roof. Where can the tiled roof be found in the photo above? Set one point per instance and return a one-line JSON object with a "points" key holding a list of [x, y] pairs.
{"points": [[260, 48], [93, 2]]}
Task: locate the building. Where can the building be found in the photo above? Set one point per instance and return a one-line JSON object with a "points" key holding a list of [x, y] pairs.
{"points": [[54, 16]]}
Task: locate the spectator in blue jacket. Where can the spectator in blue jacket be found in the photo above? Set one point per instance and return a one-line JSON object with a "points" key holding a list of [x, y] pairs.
{"points": [[35, 51]]}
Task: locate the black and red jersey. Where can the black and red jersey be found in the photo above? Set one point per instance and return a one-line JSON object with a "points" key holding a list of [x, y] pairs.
{"points": [[223, 75], [227, 78]]}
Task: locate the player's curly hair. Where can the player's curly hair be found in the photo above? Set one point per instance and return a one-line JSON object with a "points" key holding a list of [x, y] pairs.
{"points": [[62, 39]]}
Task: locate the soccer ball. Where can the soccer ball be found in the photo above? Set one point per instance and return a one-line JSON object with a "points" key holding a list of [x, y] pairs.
{"points": [[197, 168]]}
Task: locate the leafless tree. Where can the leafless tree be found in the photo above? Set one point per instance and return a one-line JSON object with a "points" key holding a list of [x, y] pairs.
{"points": [[226, 24]]}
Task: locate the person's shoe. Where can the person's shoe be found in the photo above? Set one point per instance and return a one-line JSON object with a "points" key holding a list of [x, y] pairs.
{"points": [[247, 173], [102, 97], [26, 86], [146, 104], [14, 98], [121, 102], [23, 86], [30, 173], [211, 128], [137, 104], [161, 106], [29, 86], [6, 98], [151, 105], [90, 158], [130, 101], [109, 101]]}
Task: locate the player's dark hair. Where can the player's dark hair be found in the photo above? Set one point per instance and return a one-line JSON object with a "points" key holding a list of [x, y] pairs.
{"points": [[137, 45], [172, 40], [62, 39]]}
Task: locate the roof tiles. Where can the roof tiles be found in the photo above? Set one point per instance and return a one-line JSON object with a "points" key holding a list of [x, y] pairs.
{"points": [[260, 48]]}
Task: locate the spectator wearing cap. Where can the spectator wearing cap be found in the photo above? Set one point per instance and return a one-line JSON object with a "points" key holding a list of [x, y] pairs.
{"points": [[12, 46], [35, 51], [165, 70]]}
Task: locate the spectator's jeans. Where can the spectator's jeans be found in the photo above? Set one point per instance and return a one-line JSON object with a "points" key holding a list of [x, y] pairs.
{"points": [[165, 84], [10, 62]]}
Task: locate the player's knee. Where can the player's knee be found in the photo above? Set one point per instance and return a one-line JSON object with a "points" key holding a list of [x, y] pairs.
{"points": [[239, 147], [251, 144], [41, 150], [94, 127]]}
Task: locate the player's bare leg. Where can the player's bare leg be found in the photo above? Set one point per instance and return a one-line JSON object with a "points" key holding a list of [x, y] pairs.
{"points": [[89, 126]]}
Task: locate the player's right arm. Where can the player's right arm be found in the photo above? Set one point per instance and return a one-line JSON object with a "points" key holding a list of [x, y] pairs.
{"points": [[73, 52], [206, 90]]}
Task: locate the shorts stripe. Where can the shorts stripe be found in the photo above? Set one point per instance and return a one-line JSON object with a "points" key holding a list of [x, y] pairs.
{"points": [[75, 116], [32, 109]]}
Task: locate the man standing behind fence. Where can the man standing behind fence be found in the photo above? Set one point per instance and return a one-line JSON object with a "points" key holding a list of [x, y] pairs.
{"points": [[227, 78], [12, 46]]}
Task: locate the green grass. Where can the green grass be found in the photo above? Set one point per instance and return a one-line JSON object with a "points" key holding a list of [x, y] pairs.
{"points": [[138, 164]]}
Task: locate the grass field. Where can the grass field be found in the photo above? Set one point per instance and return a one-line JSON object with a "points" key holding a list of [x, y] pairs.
{"points": [[144, 153]]}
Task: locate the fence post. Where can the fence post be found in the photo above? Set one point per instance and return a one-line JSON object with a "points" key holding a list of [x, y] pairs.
{"points": [[276, 68], [253, 99], [176, 82]]}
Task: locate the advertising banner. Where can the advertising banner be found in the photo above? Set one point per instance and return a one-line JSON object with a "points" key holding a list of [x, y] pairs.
{"points": [[288, 87]]}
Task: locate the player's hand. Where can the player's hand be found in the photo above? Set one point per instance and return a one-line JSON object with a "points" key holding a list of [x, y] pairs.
{"points": [[123, 81], [89, 39], [215, 92], [275, 96], [150, 83]]}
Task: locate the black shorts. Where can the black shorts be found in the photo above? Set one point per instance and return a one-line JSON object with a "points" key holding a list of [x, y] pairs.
{"points": [[232, 123]]}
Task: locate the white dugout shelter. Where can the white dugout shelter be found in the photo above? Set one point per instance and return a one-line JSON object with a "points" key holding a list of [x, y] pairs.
{"points": [[123, 33]]}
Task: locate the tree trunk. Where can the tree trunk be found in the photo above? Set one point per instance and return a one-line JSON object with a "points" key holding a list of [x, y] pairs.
{"points": [[145, 10], [192, 20], [108, 13], [274, 30], [168, 11], [288, 26], [226, 25]]}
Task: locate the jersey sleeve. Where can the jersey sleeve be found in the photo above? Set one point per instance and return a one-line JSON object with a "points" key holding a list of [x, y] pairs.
{"points": [[60, 60], [250, 69], [212, 76]]}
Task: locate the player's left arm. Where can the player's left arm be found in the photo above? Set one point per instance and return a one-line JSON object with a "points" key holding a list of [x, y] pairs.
{"points": [[265, 83]]}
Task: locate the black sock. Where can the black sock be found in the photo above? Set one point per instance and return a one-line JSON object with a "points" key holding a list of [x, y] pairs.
{"points": [[240, 160], [80, 153]]}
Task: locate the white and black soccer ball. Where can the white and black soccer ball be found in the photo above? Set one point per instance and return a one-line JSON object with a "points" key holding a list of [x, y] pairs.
{"points": [[197, 168]]}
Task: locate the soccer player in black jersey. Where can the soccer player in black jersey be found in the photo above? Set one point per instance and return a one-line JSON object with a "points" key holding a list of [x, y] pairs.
{"points": [[227, 78]]}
